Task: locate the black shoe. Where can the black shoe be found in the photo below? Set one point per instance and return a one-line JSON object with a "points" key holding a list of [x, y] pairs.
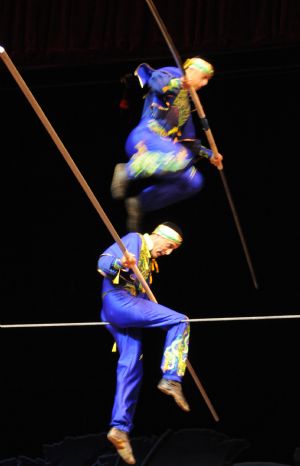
{"points": [[170, 387], [121, 442], [119, 182], [134, 214]]}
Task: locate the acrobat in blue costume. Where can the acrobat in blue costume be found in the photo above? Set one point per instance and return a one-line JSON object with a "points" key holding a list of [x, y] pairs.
{"points": [[157, 145], [128, 310]]}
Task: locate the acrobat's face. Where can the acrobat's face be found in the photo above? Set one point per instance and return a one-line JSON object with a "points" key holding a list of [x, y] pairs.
{"points": [[162, 246], [197, 78]]}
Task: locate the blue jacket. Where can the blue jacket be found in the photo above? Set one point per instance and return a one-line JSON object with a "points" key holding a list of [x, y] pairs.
{"points": [[166, 102]]}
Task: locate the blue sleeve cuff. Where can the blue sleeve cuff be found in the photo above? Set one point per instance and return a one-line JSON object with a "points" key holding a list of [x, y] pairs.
{"points": [[205, 152], [116, 265]]}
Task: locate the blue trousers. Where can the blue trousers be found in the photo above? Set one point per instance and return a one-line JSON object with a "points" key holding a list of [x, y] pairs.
{"points": [[127, 315], [151, 154]]}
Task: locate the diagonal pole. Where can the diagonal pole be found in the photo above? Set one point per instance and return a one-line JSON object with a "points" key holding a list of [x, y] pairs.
{"points": [[57, 141], [209, 135]]}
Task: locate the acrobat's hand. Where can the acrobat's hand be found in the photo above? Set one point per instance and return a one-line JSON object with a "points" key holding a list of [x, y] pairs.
{"points": [[128, 260], [216, 160]]}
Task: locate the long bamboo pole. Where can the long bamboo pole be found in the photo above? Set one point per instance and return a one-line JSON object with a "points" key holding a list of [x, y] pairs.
{"points": [[209, 135]]}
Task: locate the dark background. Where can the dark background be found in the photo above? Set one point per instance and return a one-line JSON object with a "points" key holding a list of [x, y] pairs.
{"points": [[73, 55]]}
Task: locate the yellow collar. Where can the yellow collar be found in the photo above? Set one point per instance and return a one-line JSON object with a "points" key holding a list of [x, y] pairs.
{"points": [[148, 242]]}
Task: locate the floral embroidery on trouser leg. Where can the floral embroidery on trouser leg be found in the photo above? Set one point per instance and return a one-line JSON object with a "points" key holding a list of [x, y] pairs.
{"points": [[175, 355], [146, 162]]}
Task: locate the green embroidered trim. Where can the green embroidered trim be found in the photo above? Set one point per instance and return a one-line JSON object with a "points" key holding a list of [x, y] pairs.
{"points": [[183, 104], [175, 355], [158, 129], [144, 262], [145, 163], [174, 85], [144, 265]]}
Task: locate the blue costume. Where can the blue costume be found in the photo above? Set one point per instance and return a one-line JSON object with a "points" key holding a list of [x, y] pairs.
{"points": [[160, 145], [128, 310]]}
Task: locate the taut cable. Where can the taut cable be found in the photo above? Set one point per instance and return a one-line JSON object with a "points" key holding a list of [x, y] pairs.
{"points": [[57, 141], [200, 320]]}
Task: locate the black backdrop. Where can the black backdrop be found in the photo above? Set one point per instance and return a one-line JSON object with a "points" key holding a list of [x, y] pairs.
{"points": [[58, 382]]}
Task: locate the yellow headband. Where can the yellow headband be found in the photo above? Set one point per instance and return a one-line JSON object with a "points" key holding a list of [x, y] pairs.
{"points": [[169, 233], [199, 64]]}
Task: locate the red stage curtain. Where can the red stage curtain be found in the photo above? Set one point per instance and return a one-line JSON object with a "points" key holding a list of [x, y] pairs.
{"points": [[91, 31]]}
